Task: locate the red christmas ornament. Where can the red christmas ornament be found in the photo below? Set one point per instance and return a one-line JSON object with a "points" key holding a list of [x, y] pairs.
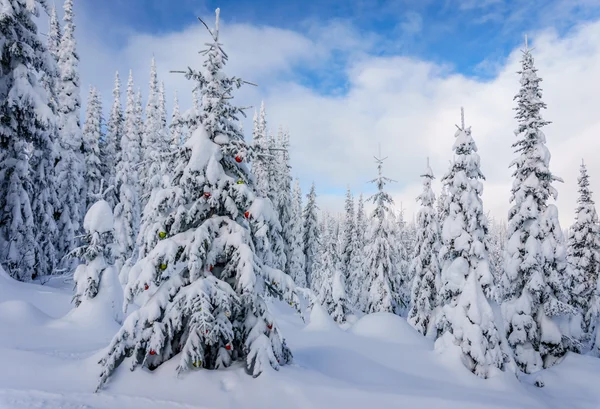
{"points": [[152, 352], [146, 287], [238, 159], [207, 331], [228, 347], [210, 268], [207, 194], [247, 215], [270, 326]]}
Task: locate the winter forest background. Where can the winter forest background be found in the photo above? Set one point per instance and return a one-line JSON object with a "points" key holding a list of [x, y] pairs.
{"points": [[181, 223]]}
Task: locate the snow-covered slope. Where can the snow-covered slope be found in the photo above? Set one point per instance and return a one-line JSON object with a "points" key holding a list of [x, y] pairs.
{"points": [[49, 360]]}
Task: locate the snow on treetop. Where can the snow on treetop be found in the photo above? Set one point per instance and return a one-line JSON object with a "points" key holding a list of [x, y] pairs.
{"points": [[99, 218]]}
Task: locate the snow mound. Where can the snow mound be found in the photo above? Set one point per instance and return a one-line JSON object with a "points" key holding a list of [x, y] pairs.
{"points": [[320, 321], [104, 310], [99, 218], [22, 313], [387, 327]]}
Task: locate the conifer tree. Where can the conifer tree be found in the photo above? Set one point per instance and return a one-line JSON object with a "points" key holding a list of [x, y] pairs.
{"points": [[70, 163], [154, 142], [530, 306], [330, 284], [54, 34], [177, 128], [127, 210], [466, 278], [348, 230], [425, 267], [97, 275], [26, 145], [297, 258], [283, 195], [311, 233], [111, 148], [262, 165], [584, 251], [205, 280], [381, 261], [92, 134], [356, 266], [442, 205]]}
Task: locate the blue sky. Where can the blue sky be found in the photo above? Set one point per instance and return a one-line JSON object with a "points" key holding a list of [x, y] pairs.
{"points": [[469, 36], [345, 76]]}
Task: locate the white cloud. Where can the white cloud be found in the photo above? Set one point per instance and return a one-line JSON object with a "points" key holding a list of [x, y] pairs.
{"points": [[407, 105]]}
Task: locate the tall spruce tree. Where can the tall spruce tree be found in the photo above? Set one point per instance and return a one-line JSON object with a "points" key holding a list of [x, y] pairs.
{"points": [[178, 137], [381, 261], [329, 283], [311, 232], [206, 281], [584, 251], [262, 165], [110, 149], [92, 134], [297, 258], [70, 162], [425, 267], [530, 306], [283, 195], [467, 317], [348, 231], [356, 266], [26, 145], [154, 142], [127, 210]]}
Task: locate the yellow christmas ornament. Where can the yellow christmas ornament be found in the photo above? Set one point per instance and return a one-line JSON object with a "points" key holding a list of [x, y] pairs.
{"points": [[240, 182], [163, 266], [162, 234], [197, 364]]}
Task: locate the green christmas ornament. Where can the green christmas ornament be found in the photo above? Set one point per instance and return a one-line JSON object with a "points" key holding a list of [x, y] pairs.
{"points": [[163, 266], [240, 182], [162, 234]]}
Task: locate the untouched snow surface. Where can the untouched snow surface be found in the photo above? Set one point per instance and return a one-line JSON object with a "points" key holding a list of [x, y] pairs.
{"points": [[49, 360]]}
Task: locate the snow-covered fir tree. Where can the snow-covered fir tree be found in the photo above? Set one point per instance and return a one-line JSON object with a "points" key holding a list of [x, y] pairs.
{"points": [[466, 279], [348, 228], [530, 307], [381, 261], [584, 250], [262, 165], [496, 245], [204, 281], [70, 165], [96, 253], [127, 210], [110, 148], [356, 265], [154, 142], [403, 278], [442, 205], [54, 33], [297, 259], [283, 195], [425, 267], [177, 127], [92, 134], [27, 133], [329, 283], [310, 243]]}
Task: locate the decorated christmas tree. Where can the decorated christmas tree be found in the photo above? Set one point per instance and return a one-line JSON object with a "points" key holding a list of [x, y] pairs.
{"points": [[200, 280]]}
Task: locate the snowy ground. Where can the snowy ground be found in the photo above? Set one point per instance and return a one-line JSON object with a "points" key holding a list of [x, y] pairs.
{"points": [[49, 354]]}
